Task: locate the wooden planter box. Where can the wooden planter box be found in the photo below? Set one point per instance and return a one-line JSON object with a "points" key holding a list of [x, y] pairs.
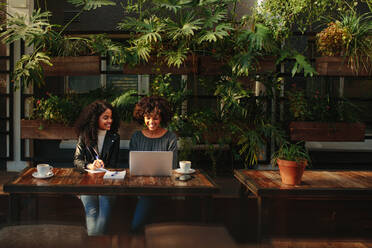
{"points": [[319, 131], [73, 66], [30, 129], [36, 129], [337, 66], [157, 66], [200, 65]]}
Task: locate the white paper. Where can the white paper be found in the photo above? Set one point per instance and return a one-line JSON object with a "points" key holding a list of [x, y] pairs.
{"points": [[99, 170], [114, 175]]}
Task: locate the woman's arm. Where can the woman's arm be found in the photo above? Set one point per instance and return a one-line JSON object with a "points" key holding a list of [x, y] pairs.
{"points": [[173, 147], [114, 156], [80, 160]]}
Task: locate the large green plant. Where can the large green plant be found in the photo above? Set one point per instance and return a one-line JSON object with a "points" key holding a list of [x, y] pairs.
{"points": [[47, 40], [174, 30], [348, 35], [245, 116], [282, 17]]}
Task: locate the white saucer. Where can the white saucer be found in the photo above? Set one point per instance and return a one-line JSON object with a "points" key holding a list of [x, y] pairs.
{"points": [[36, 175], [185, 172]]}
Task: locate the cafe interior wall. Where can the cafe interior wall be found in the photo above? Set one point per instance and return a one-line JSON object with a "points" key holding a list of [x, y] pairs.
{"points": [[104, 20]]}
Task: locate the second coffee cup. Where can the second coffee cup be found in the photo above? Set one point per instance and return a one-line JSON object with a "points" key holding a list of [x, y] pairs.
{"points": [[185, 166]]}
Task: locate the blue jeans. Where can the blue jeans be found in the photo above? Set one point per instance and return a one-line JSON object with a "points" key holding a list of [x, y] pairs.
{"points": [[142, 213], [97, 212]]}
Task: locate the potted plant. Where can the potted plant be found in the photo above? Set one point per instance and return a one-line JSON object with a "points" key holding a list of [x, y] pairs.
{"points": [[345, 45], [321, 117], [53, 116], [48, 41], [292, 160]]}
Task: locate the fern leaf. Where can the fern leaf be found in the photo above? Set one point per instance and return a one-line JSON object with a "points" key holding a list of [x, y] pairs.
{"points": [[91, 4]]}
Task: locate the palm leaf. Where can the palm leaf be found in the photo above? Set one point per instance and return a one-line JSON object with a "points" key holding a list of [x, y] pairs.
{"points": [[176, 58], [221, 31], [21, 27], [185, 28], [91, 4]]}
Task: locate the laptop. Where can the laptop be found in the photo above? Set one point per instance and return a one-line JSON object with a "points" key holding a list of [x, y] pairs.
{"points": [[150, 163]]}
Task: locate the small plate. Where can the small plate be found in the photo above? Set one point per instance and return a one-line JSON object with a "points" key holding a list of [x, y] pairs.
{"points": [[183, 172], [36, 175]]}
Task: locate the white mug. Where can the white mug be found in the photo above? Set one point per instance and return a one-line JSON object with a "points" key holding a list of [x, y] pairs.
{"points": [[44, 169], [185, 166]]}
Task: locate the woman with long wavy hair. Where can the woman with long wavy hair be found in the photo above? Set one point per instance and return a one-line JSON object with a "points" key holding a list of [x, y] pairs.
{"points": [[98, 147]]}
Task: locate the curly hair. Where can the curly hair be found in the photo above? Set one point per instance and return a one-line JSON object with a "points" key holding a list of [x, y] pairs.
{"points": [[153, 105], [86, 125]]}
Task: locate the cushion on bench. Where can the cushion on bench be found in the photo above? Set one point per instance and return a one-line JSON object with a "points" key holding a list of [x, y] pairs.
{"points": [[42, 236], [187, 236]]}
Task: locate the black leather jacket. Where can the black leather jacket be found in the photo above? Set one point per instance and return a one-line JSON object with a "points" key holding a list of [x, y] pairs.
{"points": [[85, 155]]}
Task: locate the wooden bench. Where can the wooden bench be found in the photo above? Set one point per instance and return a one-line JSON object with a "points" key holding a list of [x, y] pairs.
{"points": [[170, 235]]}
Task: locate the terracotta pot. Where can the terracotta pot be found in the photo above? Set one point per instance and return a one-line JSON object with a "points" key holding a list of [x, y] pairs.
{"points": [[291, 171]]}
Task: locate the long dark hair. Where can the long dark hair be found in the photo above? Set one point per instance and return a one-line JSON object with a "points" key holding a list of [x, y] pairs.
{"points": [[86, 125], [153, 104]]}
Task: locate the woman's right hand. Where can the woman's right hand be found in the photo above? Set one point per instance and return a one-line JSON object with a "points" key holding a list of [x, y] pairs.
{"points": [[98, 163]]}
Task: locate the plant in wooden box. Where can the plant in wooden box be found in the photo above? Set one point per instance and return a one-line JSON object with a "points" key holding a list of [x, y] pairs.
{"points": [[346, 45], [292, 160], [320, 117], [53, 116], [49, 41]]}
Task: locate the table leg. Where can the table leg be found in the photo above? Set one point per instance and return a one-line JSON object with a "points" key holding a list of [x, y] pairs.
{"points": [[13, 209], [259, 219], [206, 208]]}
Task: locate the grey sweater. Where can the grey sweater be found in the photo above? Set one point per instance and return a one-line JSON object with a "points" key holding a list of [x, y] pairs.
{"points": [[168, 142]]}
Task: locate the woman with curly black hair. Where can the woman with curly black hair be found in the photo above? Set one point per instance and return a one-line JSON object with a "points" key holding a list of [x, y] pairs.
{"points": [[98, 147], [155, 113]]}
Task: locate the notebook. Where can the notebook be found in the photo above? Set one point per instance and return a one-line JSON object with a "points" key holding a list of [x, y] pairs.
{"points": [[150, 163]]}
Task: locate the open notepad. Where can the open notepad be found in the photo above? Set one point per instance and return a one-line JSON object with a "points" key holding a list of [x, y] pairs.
{"points": [[109, 174], [114, 175]]}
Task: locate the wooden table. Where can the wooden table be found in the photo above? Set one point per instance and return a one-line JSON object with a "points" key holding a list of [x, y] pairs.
{"points": [[327, 185], [71, 181]]}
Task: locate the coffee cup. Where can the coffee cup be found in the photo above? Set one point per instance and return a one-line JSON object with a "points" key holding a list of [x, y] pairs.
{"points": [[43, 169], [185, 166]]}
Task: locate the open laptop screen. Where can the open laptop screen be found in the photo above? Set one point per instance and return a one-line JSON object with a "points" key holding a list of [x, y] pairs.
{"points": [[150, 163]]}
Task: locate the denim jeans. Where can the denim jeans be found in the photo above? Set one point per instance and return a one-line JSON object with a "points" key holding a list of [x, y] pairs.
{"points": [[142, 213], [97, 212]]}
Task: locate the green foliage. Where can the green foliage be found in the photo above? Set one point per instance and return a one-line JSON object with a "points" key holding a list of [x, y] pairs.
{"points": [[125, 104], [162, 86], [301, 63], [320, 107], [56, 109], [29, 68], [172, 30], [348, 35], [47, 40], [281, 16], [91, 4], [245, 117], [291, 152]]}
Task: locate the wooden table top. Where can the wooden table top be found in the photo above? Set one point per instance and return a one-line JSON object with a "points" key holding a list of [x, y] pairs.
{"points": [[314, 183], [70, 181]]}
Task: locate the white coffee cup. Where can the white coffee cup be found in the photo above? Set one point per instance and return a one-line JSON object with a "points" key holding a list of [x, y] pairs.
{"points": [[44, 169], [185, 166]]}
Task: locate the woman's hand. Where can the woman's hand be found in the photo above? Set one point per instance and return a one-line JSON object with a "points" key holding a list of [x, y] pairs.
{"points": [[98, 163]]}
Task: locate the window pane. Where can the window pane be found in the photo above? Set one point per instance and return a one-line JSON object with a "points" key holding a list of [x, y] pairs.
{"points": [[83, 84]]}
